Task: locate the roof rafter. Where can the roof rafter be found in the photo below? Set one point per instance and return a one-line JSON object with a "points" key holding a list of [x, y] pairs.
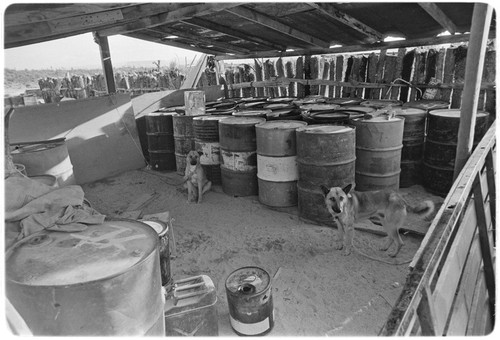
{"points": [[268, 22], [232, 32], [437, 14], [182, 13], [332, 12]]}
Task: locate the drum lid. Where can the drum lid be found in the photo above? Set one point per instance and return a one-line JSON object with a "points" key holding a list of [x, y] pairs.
{"points": [[50, 258], [325, 129], [160, 228], [254, 279], [280, 125]]}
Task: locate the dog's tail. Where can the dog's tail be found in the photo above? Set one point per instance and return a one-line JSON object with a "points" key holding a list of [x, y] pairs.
{"points": [[424, 208]]}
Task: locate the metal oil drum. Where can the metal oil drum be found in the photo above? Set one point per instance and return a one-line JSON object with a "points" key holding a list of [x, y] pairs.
{"points": [[277, 162], [162, 230], [413, 146], [441, 145], [238, 146], [206, 140], [45, 158], [183, 140], [250, 301], [381, 103], [104, 280], [326, 155], [378, 152], [160, 140]]}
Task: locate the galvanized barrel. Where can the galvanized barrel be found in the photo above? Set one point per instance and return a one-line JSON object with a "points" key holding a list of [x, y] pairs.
{"points": [[441, 145], [378, 152], [45, 158], [277, 162], [250, 301], [183, 140], [160, 139], [413, 146], [326, 155], [206, 140], [238, 146], [102, 281]]}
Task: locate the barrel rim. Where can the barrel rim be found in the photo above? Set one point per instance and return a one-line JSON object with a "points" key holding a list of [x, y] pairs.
{"points": [[437, 112], [280, 125], [378, 120], [235, 120], [315, 129], [144, 259], [209, 117], [264, 290]]}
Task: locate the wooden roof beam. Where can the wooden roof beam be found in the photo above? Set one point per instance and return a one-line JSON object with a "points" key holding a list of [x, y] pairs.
{"points": [[200, 39], [146, 37], [268, 22], [437, 14], [233, 33], [332, 12], [182, 13]]}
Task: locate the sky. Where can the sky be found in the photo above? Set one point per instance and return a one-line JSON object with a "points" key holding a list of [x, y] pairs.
{"points": [[82, 52]]}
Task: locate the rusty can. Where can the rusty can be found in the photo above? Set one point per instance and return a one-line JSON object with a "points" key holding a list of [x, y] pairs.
{"points": [[250, 302]]}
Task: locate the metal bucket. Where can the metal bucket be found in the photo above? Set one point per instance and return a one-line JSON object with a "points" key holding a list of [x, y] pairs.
{"points": [[164, 249], [183, 140], [250, 301], [237, 138], [413, 146], [160, 139], [277, 162], [101, 281], [206, 140], [326, 155], [441, 145], [45, 158], [378, 152]]}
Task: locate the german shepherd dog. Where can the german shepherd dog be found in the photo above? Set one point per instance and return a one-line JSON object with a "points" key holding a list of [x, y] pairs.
{"points": [[195, 178], [348, 206]]}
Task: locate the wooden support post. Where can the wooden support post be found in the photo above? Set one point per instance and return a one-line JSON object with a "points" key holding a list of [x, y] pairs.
{"points": [[481, 19], [106, 62]]}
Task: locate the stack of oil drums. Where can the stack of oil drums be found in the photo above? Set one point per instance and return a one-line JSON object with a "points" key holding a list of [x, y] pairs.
{"points": [[238, 147], [441, 145], [160, 137], [277, 162], [206, 140], [326, 155], [415, 114]]}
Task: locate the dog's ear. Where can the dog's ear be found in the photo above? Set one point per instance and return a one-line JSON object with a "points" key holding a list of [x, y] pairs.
{"points": [[200, 153], [324, 189], [347, 189]]}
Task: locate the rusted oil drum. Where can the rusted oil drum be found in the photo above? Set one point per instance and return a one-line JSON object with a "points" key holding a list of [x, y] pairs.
{"points": [[378, 152], [206, 140], [162, 231], [45, 158], [326, 155], [413, 146], [381, 103], [183, 140], [427, 104], [102, 281], [250, 301], [277, 162], [238, 145], [441, 145], [160, 139]]}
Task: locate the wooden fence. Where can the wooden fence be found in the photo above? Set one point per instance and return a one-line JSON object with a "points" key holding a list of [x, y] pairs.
{"points": [[439, 73], [450, 289]]}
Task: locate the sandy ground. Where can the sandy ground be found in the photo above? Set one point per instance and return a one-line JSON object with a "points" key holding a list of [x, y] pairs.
{"points": [[316, 292]]}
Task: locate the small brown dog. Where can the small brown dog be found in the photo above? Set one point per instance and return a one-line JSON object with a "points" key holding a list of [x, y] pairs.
{"points": [[195, 178], [347, 206]]}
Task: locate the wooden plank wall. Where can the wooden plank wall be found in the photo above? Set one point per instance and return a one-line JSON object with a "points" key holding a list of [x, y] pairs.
{"points": [[451, 286], [366, 76]]}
